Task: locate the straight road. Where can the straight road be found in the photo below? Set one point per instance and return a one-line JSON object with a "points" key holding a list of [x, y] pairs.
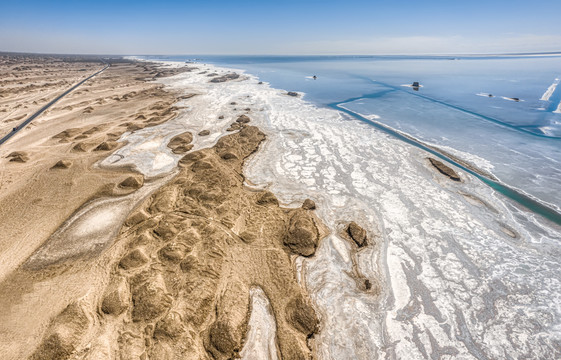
{"points": [[40, 111]]}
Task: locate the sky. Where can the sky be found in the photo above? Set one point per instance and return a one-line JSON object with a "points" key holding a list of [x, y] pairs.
{"points": [[287, 27]]}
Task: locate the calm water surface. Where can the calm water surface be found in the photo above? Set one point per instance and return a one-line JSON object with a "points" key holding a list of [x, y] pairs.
{"points": [[518, 141]]}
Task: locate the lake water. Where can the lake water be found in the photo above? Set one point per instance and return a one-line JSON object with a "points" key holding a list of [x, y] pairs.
{"points": [[466, 106]]}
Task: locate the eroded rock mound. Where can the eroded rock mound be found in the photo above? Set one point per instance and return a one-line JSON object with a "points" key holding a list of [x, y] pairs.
{"points": [[116, 299], [181, 143], [225, 78], [106, 146], [302, 316], [64, 334], [234, 126], [134, 259], [302, 236], [18, 156], [62, 164], [80, 147], [174, 252], [149, 295], [309, 205], [267, 198], [170, 326], [68, 133], [132, 182], [445, 169], [224, 341], [357, 234], [204, 133], [243, 119]]}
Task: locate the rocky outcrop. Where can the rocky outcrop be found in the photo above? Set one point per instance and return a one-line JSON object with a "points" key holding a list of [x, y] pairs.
{"points": [[116, 298], [181, 143], [301, 316], [234, 126], [18, 156], [302, 236], [243, 119], [134, 259], [149, 296], [106, 146], [309, 205], [62, 164], [132, 182], [445, 170], [357, 234], [267, 198], [225, 78]]}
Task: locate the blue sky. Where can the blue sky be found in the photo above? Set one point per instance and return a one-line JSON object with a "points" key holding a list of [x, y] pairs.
{"points": [[280, 27]]}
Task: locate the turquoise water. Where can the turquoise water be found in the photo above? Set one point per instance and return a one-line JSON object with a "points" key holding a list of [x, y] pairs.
{"points": [[518, 141]]}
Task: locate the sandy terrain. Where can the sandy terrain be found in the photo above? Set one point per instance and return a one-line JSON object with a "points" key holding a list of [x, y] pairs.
{"points": [[48, 170], [203, 268]]}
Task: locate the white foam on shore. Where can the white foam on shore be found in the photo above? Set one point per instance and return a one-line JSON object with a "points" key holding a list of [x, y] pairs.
{"points": [[550, 90]]}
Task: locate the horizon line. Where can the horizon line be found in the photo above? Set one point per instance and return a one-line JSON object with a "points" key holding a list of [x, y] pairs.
{"points": [[551, 53]]}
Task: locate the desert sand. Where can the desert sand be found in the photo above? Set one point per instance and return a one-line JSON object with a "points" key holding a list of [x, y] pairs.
{"points": [[105, 262]]}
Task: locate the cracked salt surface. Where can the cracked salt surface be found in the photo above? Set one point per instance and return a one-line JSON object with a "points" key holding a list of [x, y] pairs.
{"points": [[450, 280], [260, 340]]}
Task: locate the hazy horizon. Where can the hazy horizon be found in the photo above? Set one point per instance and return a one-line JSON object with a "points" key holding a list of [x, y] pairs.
{"points": [[289, 28]]}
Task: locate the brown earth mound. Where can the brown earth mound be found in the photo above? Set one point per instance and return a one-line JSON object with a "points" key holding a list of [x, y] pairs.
{"points": [[180, 144], [18, 156], [132, 182], [243, 119], [225, 78], [188, 266], [357, 234], [444, 169], [62, 164], [106, 146]]}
